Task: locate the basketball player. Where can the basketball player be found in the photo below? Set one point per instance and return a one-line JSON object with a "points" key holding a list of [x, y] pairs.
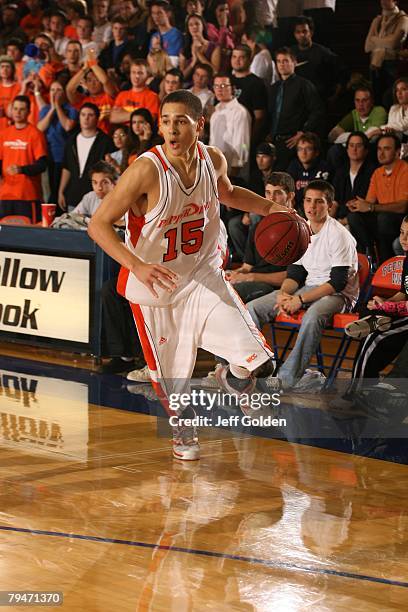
{"points": [[171, 264]]}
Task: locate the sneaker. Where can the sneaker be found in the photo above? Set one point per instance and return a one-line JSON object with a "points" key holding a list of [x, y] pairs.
{"points": [[221, 376], [312, 381], [185, 442], [272, 384], [363, 327], [140, 376], [143, 389], [210, 381]]}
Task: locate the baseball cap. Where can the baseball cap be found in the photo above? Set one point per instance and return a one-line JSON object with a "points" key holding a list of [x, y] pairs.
{"points": [[266, 148]]}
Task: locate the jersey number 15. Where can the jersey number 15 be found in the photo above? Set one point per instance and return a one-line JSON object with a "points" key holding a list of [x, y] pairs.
{"points": [[191, 239]]}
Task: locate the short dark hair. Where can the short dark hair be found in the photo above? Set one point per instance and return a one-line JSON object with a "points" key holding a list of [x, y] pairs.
{"points": [[361, 135], [92, 107], [105, 168], [323, 186], [183, 96], [245, 49], [281, 179], [175, 72], [15, 42], [285, 51], [87, 18], [139, 61], [394, 137], [304, 20], [24, 99], [312, 139], [207, 67], [363, 87]]}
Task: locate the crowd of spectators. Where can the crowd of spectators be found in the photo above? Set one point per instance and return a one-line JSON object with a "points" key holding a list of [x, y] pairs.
{"points": [[81, 84]]}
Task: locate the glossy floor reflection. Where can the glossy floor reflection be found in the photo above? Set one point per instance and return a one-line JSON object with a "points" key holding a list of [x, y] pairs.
{"points": [[92, 504]]}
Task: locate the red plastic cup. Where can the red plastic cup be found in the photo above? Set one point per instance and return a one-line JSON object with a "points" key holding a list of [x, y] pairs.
{"points": [[48, 214]]}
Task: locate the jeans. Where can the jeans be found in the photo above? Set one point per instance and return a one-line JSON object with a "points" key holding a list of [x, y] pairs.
{"points": [[318, 314]]}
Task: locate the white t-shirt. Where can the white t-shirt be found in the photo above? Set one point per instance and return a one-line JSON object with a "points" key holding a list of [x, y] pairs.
{"points": [[332, 246], [205, 96], [317, 4], [264, 67], [84, 146], [88, 205], [352, 178]]}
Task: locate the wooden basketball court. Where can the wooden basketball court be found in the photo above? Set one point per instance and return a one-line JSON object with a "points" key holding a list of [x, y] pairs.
{"points": [[93, 505]]}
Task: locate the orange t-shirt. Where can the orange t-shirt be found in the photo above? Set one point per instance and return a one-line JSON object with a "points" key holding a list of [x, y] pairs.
{"points": [[21, 147], [7, 95], [105, 104], [70, 32], [388, 188], [131, 100], [32, 24]]}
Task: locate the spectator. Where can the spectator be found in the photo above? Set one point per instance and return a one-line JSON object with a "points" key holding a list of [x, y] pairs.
{"points": [[116, 159], [295, 107], [103, 179], [159, 63], [252, 90], [398, 115], [142, 135], [384, 41], [256, 277], [55, 121], [31, 23], [387, 195], [262, 64], [171, 39], [307, 166], [322, 13], [118, 47], [230, 127], [173, 79], [56, 33], [99, 90], [74, 11], [84, 30], [364, 118], [73, 62], [352, 179], [15, 50], [195, 7], [23, 157], [10, 28], [82, 150], [197, 48], [202, 76], [219, 31], [265, 157], [324, 281], [102, 32], [316, 63], [9, 89], [139, 96]]}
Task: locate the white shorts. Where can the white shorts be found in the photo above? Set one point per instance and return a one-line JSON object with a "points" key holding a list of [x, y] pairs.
{"points": [[212, 317]]}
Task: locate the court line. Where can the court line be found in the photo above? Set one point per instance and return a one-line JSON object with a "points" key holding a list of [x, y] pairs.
{"points": [[209, 553]]}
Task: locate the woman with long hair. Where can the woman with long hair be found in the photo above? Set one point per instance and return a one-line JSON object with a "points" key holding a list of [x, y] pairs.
{"points": [[197, 48], [142, 135]]}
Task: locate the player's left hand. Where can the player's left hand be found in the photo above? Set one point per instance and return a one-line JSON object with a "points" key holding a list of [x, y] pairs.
{"points": [[291, 305], [155, 275]]}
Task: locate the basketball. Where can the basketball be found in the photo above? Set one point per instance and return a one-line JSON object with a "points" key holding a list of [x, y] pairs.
{"points": [[282, 238]]}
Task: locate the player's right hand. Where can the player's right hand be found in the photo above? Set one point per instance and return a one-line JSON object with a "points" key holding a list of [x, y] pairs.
{"points": [[155, 274]]}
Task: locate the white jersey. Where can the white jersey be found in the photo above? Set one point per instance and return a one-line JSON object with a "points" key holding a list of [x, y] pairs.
{"points": [[181, 232]]}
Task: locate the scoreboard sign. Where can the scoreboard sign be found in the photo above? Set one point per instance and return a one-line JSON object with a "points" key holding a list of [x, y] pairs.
{"points": [[45, 295]]}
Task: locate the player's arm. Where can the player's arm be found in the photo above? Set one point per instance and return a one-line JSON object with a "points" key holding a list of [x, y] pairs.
{"points": [[134, 183], [239, 197]]}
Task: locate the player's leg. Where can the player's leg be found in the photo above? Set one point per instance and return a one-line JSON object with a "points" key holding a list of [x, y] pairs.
{"points": [[230, 332], [169, 347]]}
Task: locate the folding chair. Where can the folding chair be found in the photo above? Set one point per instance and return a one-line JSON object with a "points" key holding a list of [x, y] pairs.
{"points": [[292, 322], [386, 281], [15, 220]]}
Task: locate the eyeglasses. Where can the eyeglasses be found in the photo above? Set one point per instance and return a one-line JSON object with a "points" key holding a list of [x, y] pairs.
{"points": [[222, 86]]}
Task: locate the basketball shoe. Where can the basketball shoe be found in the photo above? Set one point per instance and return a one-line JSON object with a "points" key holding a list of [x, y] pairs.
{"points": [[185, 439], [363, 327], [139, 376]]}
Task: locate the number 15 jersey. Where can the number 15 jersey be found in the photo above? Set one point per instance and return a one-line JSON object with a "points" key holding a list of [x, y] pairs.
{"points": [[181, 232]]}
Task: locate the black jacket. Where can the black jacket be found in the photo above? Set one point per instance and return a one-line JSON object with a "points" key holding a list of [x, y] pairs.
{"points": [[302, 107], [342, 185], [78, 184]]}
